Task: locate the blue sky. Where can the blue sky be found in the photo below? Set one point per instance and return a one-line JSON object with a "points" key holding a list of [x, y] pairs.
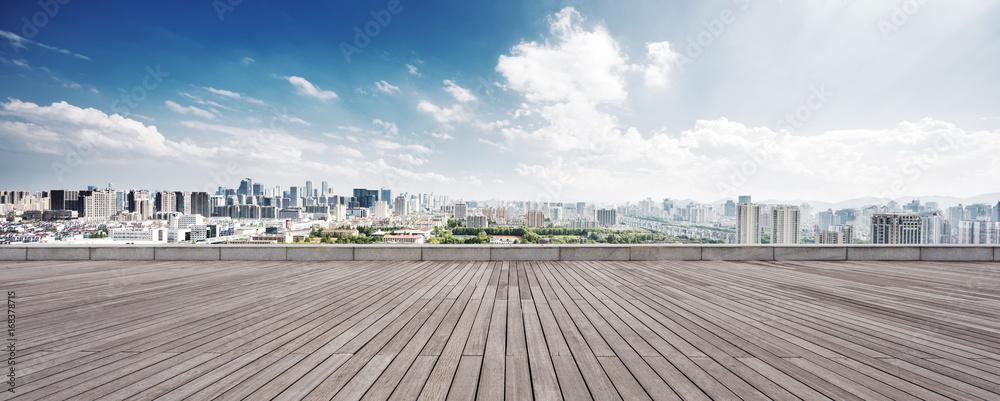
{"points": [[564, 101]]}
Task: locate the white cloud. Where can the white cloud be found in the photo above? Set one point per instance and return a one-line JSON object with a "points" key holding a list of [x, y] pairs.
{"points": [[459, 93], [232, 95], [19, 42], [189, 110], [308, 89], [413, 70], [346, 151], [17, 61], [662, 59], [248, 61], [386, 87], [412, 160], [444, 115], [223, 92], [441, 136], [387, 145], [577, 64], [390, 127]]}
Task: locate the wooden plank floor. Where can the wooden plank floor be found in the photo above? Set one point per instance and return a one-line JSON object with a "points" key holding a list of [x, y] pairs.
{"points": [[506, 330]]}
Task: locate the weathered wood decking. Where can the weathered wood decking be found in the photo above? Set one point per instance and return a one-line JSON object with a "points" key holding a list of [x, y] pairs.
{"points": [[514, 330]]}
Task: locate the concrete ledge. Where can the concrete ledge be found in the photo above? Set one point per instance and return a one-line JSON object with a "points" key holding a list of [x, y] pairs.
{"points": [[123, 253], [259, 252], [737, 253], [672, 252], [59, 253], [335, 252], [882, 252], [187, 253], [957, 253], [516, 253], [996, 254], [594, 253], [456, 252], [387, 252], [819, 252], [13, 253]]}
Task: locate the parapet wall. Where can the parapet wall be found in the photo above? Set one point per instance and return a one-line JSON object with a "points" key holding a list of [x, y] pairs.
{"points": [[502, 253]]}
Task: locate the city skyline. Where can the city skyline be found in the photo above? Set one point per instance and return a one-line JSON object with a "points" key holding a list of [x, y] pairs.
{"points": [[533, 101]]}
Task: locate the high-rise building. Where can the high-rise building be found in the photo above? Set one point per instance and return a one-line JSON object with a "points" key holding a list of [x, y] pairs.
{"points": [[309, 189], [399, 205], [534, 218], [461, 211], [668, 205], [729, 210], [747, 222], [556, 213], [979, 232], [745, 199], [896, 229], [836, 235], [365, 197], [825, 219], [386, 195], [246, 187], [62, 199], [932, 228], [606, 217], [785, 225], [258, 190], [97, 205], [141, 202], [324, 188], [200, 204], [380, 209], [166, 202], [476, 221]]}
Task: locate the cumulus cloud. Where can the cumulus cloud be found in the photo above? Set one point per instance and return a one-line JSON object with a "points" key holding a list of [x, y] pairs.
{"points": [[441, 136], [662, 60], [413, 70], [576, 64], [188, 110], [306, 88]]}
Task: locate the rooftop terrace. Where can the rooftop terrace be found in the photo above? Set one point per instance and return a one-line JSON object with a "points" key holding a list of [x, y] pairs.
{"points": [[691, 330]]}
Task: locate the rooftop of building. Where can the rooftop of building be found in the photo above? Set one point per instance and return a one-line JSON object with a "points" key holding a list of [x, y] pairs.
{"points": [[691, 330]]}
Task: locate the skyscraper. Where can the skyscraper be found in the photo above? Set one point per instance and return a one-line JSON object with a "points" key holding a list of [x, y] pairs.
{"points": [[747, 222], [730, 208], [246, 187], [385, 194], [166, 202], [97, 205], [325, 188], [744, 199], [399, 204], [309, 190], [785, 225]]}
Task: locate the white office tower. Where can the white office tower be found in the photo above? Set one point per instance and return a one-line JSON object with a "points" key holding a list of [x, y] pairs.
{"points": [[785, 225], [380, 209], [747, 223]]}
